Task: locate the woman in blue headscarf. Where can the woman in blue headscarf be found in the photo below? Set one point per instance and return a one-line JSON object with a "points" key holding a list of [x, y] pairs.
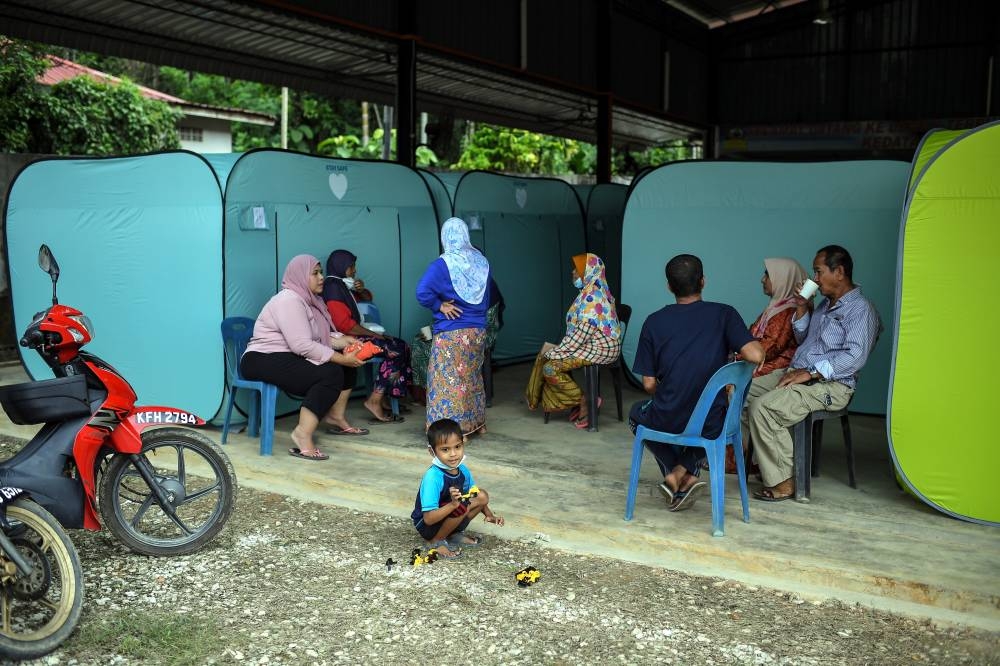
{"points": [[455, 288]]}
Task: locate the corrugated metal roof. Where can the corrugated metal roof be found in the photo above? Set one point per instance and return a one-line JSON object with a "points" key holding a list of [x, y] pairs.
{"points": [[717, 13], [291, 48]]}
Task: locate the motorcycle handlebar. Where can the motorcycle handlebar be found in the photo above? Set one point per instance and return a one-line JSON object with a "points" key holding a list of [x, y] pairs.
{"points": [[33, 338]]}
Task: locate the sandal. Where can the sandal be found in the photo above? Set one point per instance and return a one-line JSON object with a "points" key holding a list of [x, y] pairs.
{"points": [[574, 413], [767, 495], [684, 499], [443, 543], [308, 454], [582, 424], [461, 540], [337, 430]]}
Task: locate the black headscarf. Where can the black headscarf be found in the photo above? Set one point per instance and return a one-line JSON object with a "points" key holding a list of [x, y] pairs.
{"points": [[334, 288]]}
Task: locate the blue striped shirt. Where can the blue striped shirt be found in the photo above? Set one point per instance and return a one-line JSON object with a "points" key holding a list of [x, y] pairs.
{"points": [[838, 339]]}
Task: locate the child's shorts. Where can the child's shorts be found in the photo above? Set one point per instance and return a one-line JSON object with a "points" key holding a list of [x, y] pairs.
{"points": [[428, 532]]}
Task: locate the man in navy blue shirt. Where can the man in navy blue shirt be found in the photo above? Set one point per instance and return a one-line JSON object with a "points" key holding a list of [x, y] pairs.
{"points": [[680, 348]]}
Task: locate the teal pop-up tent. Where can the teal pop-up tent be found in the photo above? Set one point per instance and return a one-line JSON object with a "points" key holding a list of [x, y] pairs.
{"points": [[941, 434], [735, 214], [605, 207], [151, 253], [139, 245], [439, 193], [529, 229], [280, 204]]}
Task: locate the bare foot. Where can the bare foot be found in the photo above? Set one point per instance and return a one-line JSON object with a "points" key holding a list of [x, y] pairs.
{"points": [[302, 442], [688, 482], [375, 407], [444, 551]]}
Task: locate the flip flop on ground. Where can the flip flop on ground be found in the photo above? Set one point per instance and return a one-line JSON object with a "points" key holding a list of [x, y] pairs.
{"points": [[667, 492], [462, 540], [389, 418], [574, 414], [351, 430], [684, 499], [767, 495], [447, 553], [308, 454]]}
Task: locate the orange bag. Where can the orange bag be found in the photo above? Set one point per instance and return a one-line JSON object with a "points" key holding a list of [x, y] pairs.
{"points": [[365, 349]]}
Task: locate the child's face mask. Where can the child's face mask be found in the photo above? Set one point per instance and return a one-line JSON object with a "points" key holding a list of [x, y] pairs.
{"points": [[437, 461]]}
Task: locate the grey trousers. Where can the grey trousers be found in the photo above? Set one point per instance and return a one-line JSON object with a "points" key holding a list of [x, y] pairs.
{"points": [[771, 411]]}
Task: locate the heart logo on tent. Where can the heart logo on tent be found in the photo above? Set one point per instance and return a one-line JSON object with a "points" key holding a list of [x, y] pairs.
{"points": [[521, 195], [338, 185]]}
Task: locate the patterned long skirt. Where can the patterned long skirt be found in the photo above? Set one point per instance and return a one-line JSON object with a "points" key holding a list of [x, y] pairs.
{"points": [[394, 375], [455, 379], [551, 384]]}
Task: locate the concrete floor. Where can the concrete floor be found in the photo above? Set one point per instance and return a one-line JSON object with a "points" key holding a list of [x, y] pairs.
{"points": [[874, 545]]}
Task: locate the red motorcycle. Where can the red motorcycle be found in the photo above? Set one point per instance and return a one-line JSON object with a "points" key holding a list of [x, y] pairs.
{"points": [[160, 487]]}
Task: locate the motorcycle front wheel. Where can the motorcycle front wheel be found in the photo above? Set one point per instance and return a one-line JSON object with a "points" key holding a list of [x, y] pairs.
{"points": [[198, 483], [38, 611]]}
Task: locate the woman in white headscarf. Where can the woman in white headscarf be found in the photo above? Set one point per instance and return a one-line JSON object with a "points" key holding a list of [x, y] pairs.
{"points": [[773, 328], [455, 289], [774, 325]]}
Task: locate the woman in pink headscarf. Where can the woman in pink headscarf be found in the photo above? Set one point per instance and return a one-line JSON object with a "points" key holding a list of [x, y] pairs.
{"points": [[294, 346], [774, 325]]}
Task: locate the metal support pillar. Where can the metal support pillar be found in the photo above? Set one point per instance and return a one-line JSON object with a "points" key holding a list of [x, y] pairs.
{"points": [[604, 86], [604, 134], [406, 107]]}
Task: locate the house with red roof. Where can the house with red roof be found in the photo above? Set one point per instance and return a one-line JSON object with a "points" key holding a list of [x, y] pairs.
{"points": [[202, 128]]}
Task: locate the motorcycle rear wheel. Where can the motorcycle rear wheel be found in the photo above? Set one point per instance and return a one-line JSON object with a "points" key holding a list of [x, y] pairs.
{"points": [[40, 611], [198, 479]]}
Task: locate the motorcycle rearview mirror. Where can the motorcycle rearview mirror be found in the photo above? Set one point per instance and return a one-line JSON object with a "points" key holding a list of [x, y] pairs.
{"points": [[49, 264]]}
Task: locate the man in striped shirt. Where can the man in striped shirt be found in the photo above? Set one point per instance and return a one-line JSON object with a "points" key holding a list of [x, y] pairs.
{"points": [[834, 343]]}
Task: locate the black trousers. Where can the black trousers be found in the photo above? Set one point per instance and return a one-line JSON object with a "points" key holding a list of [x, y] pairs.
{"points": [[667, 456], [320, 384]]}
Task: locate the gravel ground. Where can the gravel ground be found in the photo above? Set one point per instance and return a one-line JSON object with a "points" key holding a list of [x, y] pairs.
{"points": [[292, 582]]}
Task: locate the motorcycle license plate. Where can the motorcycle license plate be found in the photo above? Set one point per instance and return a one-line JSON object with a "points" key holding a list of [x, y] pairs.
{"points": [[9, 494]]}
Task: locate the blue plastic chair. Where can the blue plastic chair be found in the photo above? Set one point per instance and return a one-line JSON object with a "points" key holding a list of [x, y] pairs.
{"points": [[236, 333], [370, 315], [738, 374]]}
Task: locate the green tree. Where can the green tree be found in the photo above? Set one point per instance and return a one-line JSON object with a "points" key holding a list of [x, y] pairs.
{"points": [[76, 117], [498, 148], [312, 118], [20, 65], [84, 117], [349, 146]]}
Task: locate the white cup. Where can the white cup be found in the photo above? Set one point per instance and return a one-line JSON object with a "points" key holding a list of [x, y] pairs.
{"points": [[426, 332], [809, 288]]}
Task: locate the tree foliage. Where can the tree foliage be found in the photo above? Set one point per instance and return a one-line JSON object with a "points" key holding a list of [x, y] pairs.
{"points": [[495, 148], [312, 118], [20, 64], [84, 117], [76, 117], [349, 146]]}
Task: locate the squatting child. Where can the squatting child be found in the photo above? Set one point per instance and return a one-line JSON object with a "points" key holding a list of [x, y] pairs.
{"points": [[439, 514]]}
